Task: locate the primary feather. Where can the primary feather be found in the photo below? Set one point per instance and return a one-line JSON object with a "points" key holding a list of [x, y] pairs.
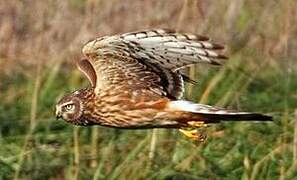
{"points": [[174, 50]]}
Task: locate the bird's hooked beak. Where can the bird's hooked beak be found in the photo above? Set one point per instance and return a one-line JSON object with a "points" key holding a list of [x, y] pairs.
{"points": [[58, 113]]}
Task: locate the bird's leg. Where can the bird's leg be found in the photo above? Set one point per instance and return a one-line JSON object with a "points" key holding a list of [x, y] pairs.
{"points": [[196, 130]]}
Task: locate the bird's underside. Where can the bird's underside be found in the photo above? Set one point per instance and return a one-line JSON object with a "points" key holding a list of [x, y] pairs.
{"points": [[137, 83]]}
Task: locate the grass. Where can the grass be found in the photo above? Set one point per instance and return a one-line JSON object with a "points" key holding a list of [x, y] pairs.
{"points": [[56, 149], [38, 68]]}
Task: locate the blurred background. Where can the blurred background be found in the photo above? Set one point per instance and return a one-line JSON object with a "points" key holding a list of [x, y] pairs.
{"points": [[41, 40]]}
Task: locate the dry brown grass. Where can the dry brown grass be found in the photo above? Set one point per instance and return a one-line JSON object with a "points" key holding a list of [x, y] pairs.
{"points": [[51, 31]]}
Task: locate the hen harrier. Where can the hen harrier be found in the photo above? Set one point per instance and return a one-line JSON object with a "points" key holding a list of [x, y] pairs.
{"points": [[136, 83]]}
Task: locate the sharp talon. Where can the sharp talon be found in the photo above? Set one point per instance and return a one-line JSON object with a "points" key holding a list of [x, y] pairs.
{"points": [[190, 133], [194, 134]]}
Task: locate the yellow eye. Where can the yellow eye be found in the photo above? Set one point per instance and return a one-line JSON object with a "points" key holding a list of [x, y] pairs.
{"points": [[68, 107]]}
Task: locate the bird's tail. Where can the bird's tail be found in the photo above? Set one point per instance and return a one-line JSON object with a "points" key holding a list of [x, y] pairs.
{"points": [[209, 114]]}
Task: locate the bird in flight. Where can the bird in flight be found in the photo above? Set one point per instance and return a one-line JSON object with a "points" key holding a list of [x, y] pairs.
{"points": [[136, 83]]}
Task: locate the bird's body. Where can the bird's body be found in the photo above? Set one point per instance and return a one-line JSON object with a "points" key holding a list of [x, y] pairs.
{"points": [[136, 82]]}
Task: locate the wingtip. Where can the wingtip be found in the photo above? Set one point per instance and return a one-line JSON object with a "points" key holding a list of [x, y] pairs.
{"points": [[217, 46], [221, 56], [86, 67]]}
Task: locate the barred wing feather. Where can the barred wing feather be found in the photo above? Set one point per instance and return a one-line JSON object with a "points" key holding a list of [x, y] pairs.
{"points": [[174, 50]]}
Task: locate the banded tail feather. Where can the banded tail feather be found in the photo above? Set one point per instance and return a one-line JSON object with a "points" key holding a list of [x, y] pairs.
{"points": [[210, 114]]}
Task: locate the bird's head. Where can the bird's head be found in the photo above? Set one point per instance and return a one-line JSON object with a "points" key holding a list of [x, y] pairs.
{"points": [[71, 107]]}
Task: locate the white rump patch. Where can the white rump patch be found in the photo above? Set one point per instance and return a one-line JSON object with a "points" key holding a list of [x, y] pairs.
{"points": [[188, 106], [183, 106]]}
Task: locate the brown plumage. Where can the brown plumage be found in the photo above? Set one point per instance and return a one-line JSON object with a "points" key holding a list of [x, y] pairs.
{"points": [[136, 82]]}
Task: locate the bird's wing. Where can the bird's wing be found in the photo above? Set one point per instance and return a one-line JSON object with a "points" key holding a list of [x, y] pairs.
{"points": [[146, 60], [171, 49]]}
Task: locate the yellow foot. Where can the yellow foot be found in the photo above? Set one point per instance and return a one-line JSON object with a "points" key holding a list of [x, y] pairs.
{"points": [[194, 134], [196, 130]]}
